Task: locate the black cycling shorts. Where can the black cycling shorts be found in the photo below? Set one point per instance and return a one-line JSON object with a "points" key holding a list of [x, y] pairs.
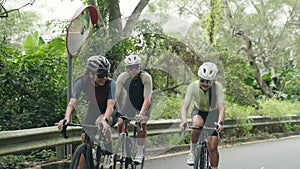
{"points": [[209, 118]]}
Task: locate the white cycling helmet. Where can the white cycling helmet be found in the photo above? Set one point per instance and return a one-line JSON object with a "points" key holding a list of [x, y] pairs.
{"points": [[132, 60], [98, 63], [208, 71]]}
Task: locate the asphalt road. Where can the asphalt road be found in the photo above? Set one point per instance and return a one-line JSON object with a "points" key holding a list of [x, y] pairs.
{"points": [[281, 153]]}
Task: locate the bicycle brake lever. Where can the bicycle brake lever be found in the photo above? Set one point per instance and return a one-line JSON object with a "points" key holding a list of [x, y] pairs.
{"points": [[140, 124], [183, 131], [64, 129]]}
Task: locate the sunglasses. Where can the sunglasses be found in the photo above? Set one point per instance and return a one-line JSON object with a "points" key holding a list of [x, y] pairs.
{"points": [[102, 75], [131, 67], [204, 81]]}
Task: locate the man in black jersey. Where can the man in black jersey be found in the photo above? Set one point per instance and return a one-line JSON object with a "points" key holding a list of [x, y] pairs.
{"points": [[137, 85]]}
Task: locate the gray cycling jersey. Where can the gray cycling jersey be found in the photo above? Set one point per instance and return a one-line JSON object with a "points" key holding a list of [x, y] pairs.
{"points": [[96, 96]]}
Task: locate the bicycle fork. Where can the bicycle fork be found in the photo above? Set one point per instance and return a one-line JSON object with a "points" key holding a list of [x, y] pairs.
{"points": [[202, 157]]}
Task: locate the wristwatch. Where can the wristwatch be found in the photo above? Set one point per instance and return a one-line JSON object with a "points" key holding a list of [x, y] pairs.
{"points": [[221, 123]]}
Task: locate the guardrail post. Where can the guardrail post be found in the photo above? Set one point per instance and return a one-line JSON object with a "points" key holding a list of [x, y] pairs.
{"points": [[60, 152]]}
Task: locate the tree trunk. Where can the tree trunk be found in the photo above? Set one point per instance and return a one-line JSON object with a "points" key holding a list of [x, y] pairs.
{"points": [[251, 57]]}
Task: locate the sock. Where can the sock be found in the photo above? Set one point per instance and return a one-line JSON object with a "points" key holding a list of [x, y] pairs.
{"points": [[193, 147], [214, 167]]}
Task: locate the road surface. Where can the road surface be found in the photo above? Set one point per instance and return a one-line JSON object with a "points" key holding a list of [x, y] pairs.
{"points": [[281, 153]]}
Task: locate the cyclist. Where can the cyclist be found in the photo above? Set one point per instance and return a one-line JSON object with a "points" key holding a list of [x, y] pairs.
{"points": [[209, 107], [99, 89], [138, 86]]}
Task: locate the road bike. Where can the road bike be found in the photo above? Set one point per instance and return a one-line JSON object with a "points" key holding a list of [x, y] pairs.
{"points": [[86, 149], [125, 149], [202, 158]]}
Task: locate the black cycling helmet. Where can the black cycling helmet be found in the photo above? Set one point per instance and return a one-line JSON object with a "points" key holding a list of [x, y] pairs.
{"points": [[98, 63]]}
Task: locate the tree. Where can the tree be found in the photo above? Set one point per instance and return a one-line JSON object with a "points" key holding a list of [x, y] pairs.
{"points": [[265, 37]]}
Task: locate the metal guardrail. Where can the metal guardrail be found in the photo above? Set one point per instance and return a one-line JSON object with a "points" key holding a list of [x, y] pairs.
{"points": [[18, 141]]}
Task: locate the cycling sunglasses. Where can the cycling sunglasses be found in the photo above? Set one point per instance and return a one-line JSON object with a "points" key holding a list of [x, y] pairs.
{"points": [[131, 67], [204, 81], [102, 74]]}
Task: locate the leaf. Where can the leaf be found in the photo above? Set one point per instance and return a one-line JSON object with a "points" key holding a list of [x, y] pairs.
{"points": [[32, 43]]}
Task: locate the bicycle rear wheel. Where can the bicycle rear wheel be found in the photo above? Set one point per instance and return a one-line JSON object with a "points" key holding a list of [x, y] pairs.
{"points": [[80, 150]]}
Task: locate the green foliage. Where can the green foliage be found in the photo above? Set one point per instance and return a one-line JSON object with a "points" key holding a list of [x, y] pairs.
{"points": [[166, 106], [14, 28], [211, 20], [10, 161], [42, 155], [276, 108], [33, 86], [18, 161], [235, 111]]}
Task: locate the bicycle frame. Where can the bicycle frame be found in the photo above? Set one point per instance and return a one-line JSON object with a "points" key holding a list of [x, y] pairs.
{"points": [[201, 152], [85, 149], [126, 145]]}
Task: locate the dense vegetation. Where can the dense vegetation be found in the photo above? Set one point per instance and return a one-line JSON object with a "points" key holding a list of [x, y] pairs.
{"points": [[258, 60]]}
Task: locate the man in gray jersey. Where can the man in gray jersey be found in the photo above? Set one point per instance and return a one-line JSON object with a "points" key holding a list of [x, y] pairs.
{"points": [[138, 87]]}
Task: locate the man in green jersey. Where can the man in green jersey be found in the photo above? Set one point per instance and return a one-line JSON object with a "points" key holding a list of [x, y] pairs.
{"points": [[208, 98]]}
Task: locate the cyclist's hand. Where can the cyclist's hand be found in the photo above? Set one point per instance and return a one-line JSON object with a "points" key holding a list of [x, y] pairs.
{"points": [[61, 123], [183, 125], [105, 126], [219, 128], [139, 118]]}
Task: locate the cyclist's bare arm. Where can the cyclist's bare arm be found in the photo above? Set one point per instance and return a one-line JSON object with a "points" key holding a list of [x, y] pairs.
{"points": [[69, 110], [221, 116], [141, 117], [184, 112]]}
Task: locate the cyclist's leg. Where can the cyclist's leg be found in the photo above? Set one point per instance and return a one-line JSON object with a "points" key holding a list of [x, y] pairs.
{"points": [[142, 130], [213, 150], [82, 159], [141, 137], [213, 141], [198, 119]]}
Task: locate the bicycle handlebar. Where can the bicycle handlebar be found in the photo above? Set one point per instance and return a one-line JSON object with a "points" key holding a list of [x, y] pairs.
{"points": [[125, 117], [64, 128], [65, 125]]}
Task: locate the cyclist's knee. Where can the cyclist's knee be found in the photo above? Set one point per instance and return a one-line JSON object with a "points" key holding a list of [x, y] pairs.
{"points": [[197, 120]]}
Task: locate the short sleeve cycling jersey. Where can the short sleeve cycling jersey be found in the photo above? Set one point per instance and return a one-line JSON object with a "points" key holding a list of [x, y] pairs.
{"points": [[136, 89], [201, 98], [96, 94]]}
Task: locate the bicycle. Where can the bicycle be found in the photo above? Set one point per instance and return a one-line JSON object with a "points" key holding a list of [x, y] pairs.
{"points": [[125, 148], [202, 158], [86, 148]]}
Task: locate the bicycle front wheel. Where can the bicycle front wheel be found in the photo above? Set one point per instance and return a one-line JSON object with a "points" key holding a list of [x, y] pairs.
{"points": [[79, 153], [119, 153], [204, 158], [197, 157]]}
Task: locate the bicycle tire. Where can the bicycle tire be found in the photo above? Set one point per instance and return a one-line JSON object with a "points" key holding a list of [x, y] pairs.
{"points": [[204, 158], [129, 164], [98, 157], [81, 149], [197, 157]]}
